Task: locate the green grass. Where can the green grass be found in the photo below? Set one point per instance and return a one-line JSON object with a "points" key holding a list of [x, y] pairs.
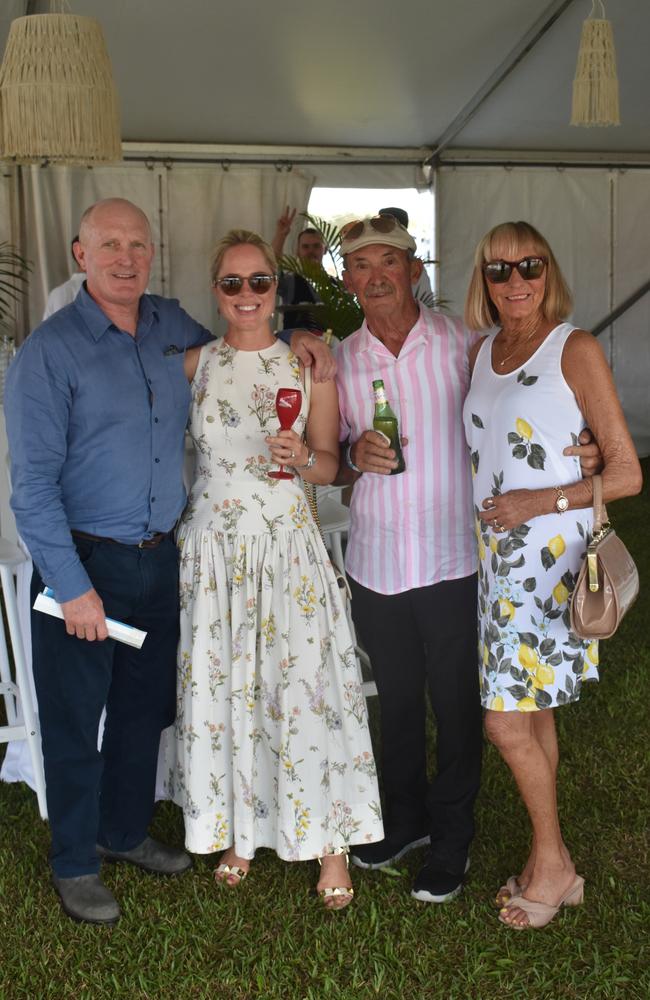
{"points": [[270, 939]]}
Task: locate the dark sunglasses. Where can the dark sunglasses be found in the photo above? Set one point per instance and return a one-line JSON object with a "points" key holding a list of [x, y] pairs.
{"points": [[232, 284], [380, 224], [497, 272]]}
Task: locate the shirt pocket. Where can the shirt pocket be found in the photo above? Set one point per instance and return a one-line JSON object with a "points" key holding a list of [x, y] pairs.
{"points": [[178, 383]]}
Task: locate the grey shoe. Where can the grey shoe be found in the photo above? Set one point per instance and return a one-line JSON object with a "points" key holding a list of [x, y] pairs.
{"points": [[152, 856], [86, 898]]}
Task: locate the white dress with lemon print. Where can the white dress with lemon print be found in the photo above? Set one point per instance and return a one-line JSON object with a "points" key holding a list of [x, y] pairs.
{"points": [[272, 746], [517, 426]]}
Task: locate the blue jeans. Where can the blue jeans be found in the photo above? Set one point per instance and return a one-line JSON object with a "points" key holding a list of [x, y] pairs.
{"points": [[107, 797]]}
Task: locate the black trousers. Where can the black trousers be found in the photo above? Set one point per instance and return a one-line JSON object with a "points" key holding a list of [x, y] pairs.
{"points": [[419, 639], [107, 796]]}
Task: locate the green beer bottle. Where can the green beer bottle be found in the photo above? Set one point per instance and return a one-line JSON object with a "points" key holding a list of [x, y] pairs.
{"points": [[385, 422]]}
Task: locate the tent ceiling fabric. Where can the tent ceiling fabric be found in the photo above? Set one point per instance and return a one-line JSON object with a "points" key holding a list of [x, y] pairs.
{"points": [[357, 72]]}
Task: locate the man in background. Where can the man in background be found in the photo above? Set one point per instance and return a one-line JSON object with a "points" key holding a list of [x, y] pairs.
{"points": [[63, 294]]}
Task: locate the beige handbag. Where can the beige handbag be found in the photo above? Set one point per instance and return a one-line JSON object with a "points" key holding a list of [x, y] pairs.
{"points": [[608, 581]]}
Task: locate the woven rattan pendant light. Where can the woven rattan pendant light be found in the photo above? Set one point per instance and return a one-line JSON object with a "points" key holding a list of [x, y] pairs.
{"points": [[57, 97], [595, 87]]}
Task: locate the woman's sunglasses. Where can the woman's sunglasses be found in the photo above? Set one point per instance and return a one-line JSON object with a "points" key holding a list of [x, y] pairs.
{"points": [[497, 272], [232, 284]]}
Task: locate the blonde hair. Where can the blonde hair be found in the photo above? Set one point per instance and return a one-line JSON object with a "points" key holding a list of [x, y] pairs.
{"points": [[508, 238], [237, 238]]}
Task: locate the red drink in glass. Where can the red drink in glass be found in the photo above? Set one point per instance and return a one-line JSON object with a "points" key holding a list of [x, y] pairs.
{"points": [[287, 407]]}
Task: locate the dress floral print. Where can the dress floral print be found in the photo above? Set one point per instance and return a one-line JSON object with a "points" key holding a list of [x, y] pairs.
{"points": [[271, 745], [517, 426]]}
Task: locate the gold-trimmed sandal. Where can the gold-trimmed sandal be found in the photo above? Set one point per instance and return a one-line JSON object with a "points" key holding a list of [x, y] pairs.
{"points": [[340, 896], [222, 872]]}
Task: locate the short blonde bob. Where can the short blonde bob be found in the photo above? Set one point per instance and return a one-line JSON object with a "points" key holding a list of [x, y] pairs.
{"points": [[237, 238], [505, 242]]}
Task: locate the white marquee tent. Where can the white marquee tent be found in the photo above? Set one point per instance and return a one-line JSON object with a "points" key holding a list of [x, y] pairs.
{"points": [[231, 110]]}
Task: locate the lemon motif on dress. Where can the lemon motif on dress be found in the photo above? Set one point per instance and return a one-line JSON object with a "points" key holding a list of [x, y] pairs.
{"points": [[529, 658], [521, 440], [526, 704], [560, 593], [552, 551], [506, 609]]}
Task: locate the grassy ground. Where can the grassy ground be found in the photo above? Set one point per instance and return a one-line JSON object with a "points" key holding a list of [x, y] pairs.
{"points": [[187, 940]]}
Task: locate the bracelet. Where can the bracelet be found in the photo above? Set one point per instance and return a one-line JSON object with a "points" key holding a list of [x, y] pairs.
{"points": [[309, 464], [348, 460]]}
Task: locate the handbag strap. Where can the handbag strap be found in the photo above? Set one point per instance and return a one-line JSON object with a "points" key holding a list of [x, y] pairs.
{"points": [[600, 511]]}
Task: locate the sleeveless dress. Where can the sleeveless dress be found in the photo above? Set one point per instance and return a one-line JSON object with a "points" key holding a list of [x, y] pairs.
{"points": [[517, 426], [272, 747]]}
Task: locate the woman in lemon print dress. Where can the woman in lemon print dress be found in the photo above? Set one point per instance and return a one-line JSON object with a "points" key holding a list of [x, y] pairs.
{"points": [[536, 380], [272, 744]]}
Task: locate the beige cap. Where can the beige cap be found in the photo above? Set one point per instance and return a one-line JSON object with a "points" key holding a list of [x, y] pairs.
{"points": [[384, 229]]}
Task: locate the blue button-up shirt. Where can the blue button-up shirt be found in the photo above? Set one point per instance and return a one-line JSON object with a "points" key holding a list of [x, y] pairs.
{"points": [[95, 421]]}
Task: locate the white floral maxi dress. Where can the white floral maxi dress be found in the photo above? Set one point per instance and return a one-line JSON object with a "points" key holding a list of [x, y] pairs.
{"points": [[517, 426], [272, 747]]}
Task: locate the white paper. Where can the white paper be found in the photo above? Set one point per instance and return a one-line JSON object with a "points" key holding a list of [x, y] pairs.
{"points": [[117, 630]]}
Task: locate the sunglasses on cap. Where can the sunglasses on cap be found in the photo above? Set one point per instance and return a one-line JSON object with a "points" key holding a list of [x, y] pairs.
{"points": [[497, 272], [380, 224], [232, 284]]}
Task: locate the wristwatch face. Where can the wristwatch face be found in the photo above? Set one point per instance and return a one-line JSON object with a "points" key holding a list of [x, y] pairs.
{"points": [[561, 503]]}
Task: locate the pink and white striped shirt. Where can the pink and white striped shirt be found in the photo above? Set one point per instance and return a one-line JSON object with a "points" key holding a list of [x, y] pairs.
{"points": [[417, 528]]}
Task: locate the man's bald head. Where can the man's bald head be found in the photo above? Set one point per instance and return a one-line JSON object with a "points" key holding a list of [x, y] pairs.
{"points": [[105, 208], [115, 250]]}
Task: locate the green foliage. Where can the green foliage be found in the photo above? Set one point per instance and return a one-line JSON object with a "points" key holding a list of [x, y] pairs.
{"points": [[339, 311], [269, 939], [13, 279]]}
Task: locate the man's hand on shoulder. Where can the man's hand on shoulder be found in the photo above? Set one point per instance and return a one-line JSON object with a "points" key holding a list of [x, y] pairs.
{"points": [[315, 354], [84, 616], [589, 453]]}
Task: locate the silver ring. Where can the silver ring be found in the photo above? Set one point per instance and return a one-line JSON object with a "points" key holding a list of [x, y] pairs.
{"points": [[293, 454]]}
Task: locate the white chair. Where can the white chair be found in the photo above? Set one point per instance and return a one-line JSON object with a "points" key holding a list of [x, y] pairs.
{"points": [[335, 521], [22, 721]]}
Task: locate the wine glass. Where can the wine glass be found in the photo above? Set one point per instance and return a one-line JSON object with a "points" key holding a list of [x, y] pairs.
{"points": [[287, 407]]}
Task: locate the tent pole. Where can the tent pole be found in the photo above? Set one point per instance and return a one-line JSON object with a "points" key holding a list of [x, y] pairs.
{"points": [[523, 47]]}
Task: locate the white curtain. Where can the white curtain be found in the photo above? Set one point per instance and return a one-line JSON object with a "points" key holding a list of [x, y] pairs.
{"points": [[595, 220], [189, 207], [203, 203]]}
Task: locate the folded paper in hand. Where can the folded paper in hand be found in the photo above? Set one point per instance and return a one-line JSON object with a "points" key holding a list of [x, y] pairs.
{"points": [[117, 630]]}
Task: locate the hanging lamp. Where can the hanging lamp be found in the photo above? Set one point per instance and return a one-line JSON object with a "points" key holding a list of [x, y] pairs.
{"points": [[58, 101], [595, 86]]}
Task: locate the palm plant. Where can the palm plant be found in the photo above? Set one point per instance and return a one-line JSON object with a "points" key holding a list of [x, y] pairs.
{"points": [[14, 270]]}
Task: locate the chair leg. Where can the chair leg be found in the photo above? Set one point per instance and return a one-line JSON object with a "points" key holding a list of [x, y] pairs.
{"points": [[22, 681], [6, 679]]}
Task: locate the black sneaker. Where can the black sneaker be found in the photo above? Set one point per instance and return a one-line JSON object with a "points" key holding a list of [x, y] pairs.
{"points": [[391, 848], [434, 884]]}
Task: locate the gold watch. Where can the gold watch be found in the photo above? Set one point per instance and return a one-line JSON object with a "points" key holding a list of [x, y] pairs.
{"points": [[561, 500]]}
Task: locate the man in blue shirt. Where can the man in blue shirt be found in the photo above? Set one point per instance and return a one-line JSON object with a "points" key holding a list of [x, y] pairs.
{"points": [[96, 405]]}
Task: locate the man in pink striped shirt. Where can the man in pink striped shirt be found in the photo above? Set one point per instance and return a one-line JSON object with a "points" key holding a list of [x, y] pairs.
{"points": [[411, 554]]}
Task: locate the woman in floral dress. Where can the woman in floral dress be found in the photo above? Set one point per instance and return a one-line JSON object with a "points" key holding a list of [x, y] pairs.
{"points": [[272, 741], [535, 380]]}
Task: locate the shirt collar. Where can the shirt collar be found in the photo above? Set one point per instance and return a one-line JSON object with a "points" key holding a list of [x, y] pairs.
{"points": [[417, 333], [98, 322]]}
